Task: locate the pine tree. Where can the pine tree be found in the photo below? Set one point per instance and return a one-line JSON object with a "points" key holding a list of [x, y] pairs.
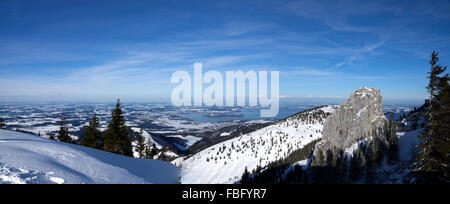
{"points": [[92, 135], [140, 144], [2, 123], [154, 150], [116, 136], [392, 139], [321, 158], [150, 150], [341, 166], [245, 179], [63, 133], [330, 158], [330, 173], [378, 151], [163, 156], [433, 160], [355, 166], [369, 162], [415, 124]]}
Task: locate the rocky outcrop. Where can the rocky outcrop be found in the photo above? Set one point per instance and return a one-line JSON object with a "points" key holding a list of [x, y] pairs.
{"points": [[356, 119]]}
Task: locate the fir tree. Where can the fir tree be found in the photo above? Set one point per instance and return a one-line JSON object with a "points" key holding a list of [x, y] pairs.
{"points": [[245, 179], [321, 158], [92, 135], [163, 156], [330, 158], [154, 150], [341, 166], [433, 160], [415, 124], [378, 151], [140, 144], [2, 123], [63, 133], [116, 138], [151, 150], [392, 139], [369, 162], [355, 166]]}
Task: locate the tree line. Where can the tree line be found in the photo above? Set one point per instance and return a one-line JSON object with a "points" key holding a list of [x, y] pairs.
{"points": [[115, 139], [335, 165]]}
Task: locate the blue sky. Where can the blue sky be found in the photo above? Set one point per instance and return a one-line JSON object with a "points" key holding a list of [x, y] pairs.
{"points": [[96, 51]]}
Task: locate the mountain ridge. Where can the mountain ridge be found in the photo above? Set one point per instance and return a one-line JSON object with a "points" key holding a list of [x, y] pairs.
{"points": [[225, 162]]}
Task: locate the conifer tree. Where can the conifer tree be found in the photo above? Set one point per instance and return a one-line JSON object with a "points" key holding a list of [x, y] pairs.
{"points": [[341, 166], [163, 156], [355, 166], [330, 158], [378, 151], [154, 150], [369, 162], [63, 133], [433, 160], [321, 158], [392, 139], [2, 123], [245, 176], [140, 144], [330, 174], [92, 135], [415, 123], [116, 138], [150, 150]]}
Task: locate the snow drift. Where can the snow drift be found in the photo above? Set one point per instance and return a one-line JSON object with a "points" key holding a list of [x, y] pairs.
{"points": [[27, 158]]}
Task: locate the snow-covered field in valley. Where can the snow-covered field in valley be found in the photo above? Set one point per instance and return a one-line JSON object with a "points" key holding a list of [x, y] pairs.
{"points": [[27, 158]]}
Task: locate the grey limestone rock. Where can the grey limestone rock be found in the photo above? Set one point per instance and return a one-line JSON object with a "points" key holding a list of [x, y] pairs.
{"points": [[358, 118]]}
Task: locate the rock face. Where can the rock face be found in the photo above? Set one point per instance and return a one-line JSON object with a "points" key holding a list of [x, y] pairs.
{"points": [[356, 119]]}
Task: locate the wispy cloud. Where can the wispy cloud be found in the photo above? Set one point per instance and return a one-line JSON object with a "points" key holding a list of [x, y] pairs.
{"points": [[240, 28], [359, 55], [304, 71]]}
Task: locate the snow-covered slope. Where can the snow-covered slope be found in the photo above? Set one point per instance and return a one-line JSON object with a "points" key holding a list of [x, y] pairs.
{"points": [[27, 158], [225, 162]]}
